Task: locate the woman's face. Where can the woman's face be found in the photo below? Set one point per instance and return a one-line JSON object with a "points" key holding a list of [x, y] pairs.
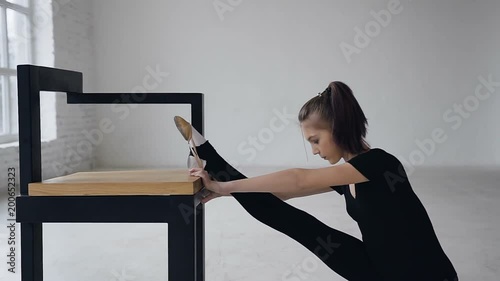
{"points": [[320, 137]]}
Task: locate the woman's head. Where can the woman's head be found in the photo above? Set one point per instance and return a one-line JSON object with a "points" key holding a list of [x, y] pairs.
{"points": [[334, 123]]}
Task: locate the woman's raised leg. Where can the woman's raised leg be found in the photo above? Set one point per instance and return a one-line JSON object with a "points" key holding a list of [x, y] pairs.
{"points": [[341, 252]]}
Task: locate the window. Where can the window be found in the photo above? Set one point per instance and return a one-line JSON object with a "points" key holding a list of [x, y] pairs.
{"points": [[15, 48]]}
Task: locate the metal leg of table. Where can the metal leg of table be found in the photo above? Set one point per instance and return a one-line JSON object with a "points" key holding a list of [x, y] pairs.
{"points": [[200, 242], [185, 240], [31, 252]]}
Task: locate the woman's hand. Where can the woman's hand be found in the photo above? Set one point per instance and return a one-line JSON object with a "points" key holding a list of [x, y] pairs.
{"points": [[213, 186], [209, 195]]}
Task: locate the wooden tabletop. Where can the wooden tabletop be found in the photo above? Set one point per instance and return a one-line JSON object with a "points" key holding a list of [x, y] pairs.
{"points": [[129, 182]]}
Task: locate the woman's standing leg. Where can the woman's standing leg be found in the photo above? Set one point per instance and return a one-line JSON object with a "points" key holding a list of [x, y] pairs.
{"points": [[341, 252]]}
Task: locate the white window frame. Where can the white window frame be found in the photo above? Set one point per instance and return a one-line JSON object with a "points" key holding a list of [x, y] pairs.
{"points": [[7, 71]]}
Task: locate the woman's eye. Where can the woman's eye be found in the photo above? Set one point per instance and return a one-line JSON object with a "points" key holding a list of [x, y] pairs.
{"points": [[316, 142]]}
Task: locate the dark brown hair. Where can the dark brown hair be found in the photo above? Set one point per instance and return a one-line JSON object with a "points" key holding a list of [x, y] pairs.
{"points": [[339, 111]]}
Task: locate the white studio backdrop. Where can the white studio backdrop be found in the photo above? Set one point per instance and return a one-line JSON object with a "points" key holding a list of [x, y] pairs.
{"points": [[424, 73]]}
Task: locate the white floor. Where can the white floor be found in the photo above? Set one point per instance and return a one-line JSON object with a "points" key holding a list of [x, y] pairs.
{"points": [[463, 206]]}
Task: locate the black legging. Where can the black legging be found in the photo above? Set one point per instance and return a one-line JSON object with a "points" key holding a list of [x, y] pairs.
{"points": [[343, 253]]}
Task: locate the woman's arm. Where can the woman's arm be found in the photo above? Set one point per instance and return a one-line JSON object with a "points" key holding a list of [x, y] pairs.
{"points": [[289, 195], [295, 181], [278, 182]]}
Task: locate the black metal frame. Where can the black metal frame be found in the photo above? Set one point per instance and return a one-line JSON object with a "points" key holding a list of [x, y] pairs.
{"points": [[183, 213]]}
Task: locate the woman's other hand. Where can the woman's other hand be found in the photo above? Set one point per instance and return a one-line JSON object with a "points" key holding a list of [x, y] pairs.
{"points": [[208, 183], [208, 195]]}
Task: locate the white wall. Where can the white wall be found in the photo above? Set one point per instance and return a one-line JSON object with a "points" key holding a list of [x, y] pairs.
{"points": [[74, 50], [259, 57], [62, 36]]}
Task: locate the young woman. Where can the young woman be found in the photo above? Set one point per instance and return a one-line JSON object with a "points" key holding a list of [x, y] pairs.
{"points": [[398, 239]]}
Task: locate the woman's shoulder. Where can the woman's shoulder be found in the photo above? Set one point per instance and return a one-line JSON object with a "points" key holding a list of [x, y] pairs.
{"points": [[375, 153], [381, 152], [375, 163]]}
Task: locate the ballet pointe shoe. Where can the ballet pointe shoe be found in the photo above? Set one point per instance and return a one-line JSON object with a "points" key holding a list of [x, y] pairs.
{"points": [[187, 132]]}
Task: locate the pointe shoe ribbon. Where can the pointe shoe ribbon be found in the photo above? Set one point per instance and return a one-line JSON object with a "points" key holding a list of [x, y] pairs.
{"points": [[187, 132]]}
